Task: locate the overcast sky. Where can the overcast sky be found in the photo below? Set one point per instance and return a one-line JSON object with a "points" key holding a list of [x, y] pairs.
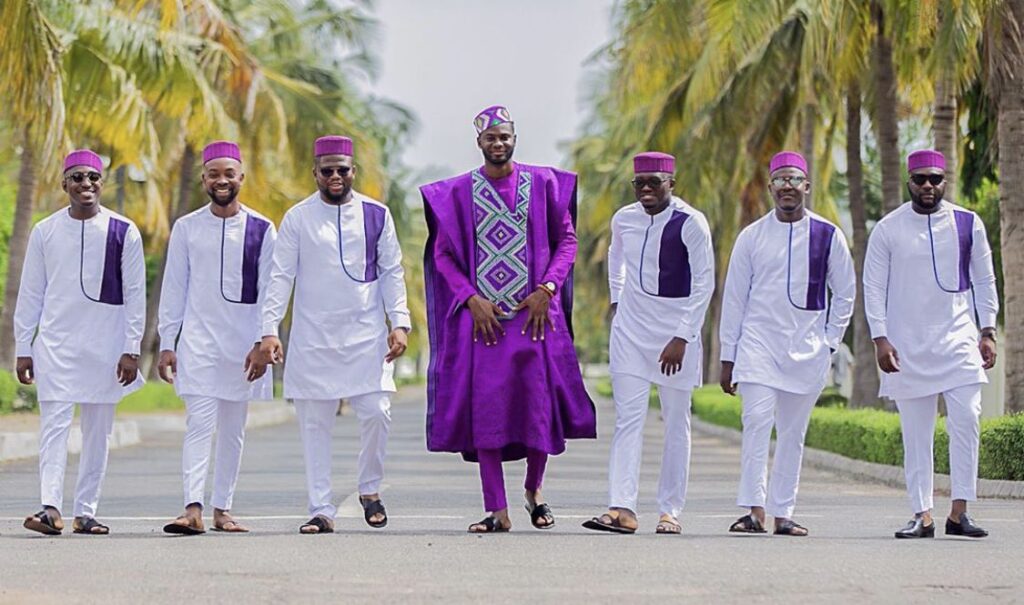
{"points": [[448, 59]]}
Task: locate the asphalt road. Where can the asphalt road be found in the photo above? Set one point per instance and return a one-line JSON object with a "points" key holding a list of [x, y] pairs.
{"points": [[425, 555]]}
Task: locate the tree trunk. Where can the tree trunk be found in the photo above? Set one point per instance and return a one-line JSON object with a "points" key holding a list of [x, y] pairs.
{"points": [[807, 128], [1011, 212], [865, 371], [151, 340], [886, 120], [944, 128], [16, 247]]}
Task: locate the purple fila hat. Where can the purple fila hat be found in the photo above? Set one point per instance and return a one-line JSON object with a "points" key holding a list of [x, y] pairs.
{"points": [[83, 157], [787, 159], [654, 161], [492, 116], [926, 158], [332, 145], [221, 149]]}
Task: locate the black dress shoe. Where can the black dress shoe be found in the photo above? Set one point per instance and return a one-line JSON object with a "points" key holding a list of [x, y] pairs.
{"points": [[917, 529], [966, 527]]}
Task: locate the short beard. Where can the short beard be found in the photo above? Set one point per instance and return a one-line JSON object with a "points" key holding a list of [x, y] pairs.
{"points": [[213, 197], [337, 199], [916, 199], [501, 162]]}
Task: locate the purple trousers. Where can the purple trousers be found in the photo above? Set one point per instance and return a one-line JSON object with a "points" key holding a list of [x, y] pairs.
{"points": [[492, 477]]}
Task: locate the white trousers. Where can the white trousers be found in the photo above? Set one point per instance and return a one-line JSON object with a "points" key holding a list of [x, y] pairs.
{"points": [[631, 395], [790, 413], [316, 420], [963, 424], [204, 416], [54, 426]]}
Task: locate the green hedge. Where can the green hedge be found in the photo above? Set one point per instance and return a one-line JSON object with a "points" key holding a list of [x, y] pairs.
{"points": [[14, 396], [152, 397], [874, 435]]}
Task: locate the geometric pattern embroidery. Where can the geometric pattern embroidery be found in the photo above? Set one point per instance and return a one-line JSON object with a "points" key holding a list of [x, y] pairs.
{"points": [[502, 273]]}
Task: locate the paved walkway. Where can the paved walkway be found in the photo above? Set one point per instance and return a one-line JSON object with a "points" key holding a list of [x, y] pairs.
{"points": [[424, 555]]}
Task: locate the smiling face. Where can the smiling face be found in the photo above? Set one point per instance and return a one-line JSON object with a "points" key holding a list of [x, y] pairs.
{"points": [[83, 186], [927, 186], [653, 190], [334, 177], [789, 188], [497, 143], [222, 180]]}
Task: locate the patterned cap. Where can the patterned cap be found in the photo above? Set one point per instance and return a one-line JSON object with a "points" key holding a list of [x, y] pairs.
{"points": [[221, 149], [83, 157], [332, 145], [492, 116], [787, 159], [926, 158], [654, 161]]}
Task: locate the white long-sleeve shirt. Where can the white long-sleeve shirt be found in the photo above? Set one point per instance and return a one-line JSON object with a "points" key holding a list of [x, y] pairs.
{"points": [[214, 284], [83, 287], [776, 325], [661, 275], [934, 331], [339, 335]]}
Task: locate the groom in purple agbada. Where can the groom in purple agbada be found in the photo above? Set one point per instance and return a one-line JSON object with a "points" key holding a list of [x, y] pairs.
{"points": [[504, 382]]}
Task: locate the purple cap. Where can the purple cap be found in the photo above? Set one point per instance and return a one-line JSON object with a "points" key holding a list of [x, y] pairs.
{"points": [[654, 161], [787, 159], [221, 149], [492, 116], [332, 145], [925, 158], [83, 157]]}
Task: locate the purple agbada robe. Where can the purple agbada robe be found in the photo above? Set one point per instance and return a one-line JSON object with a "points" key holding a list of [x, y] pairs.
{"points": [[519, 394]]}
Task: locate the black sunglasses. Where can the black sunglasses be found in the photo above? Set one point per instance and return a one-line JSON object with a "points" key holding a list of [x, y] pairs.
{"points": [[329, 172], [78, 177], [653, 182], [921, 179]]}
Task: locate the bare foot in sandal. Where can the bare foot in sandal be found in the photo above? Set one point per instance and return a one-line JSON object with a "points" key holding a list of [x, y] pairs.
{"points": [[222, 521], [616, 520], [668, 524], [498, 521], [317, 525], [89, 526]]}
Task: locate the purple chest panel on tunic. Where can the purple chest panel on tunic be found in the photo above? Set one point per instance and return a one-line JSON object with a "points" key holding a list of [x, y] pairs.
{"points": [[674, 279], [819, 246], [965, 238], [373, 227], [111, 290], [255, 231]]}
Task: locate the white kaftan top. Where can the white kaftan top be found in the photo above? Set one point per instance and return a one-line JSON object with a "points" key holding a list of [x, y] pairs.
{"points": [[213, 290], [83, 286], [661, 274], [925, 304], [776, 324], [345, 288]]}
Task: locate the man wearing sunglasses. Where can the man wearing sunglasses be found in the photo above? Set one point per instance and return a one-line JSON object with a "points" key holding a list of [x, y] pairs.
{"points": [[661, 276], [504, 382], [217, 267], [340, 250], [83, 287], [777, 334], [929, 286]]}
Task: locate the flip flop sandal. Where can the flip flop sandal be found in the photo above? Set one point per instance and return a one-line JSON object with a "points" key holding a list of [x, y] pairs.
{"points": [[613, 525], [371, 508], [788, 527], [669, 528], [491, 526], [538, 512], [43, 523], [86, 527], [747, 525], [319, 523], [230, 527], [188, 529]]}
